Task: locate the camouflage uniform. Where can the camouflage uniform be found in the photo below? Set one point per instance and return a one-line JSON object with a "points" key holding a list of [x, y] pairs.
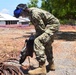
{"points": [[45, 25]]}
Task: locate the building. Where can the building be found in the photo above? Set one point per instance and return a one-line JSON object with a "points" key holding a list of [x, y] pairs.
{"points": [[24, 21], [6, 19]]}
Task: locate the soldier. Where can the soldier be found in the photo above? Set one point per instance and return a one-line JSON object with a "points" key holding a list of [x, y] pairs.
{"points": [[46, 25]]}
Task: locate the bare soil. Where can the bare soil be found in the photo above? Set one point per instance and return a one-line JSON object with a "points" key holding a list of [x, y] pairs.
{"points": [[12, 38]]}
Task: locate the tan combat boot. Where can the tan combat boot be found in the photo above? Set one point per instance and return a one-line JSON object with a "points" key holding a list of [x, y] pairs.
{"points": [[51, 66], [39, 70]]}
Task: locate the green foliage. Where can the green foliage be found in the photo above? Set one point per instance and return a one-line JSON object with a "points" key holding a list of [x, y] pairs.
{"points": [[70, 21], [61, 8], [33, 3], [46, 5]]}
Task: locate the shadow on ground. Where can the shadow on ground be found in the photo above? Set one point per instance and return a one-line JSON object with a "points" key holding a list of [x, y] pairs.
{"points": [[68, 36]]}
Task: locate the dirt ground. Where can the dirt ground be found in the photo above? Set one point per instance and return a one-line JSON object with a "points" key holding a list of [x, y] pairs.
{"points": [[12, 38]]}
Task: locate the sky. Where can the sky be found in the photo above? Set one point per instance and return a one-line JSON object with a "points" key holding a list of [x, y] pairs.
{"points": [[8, 6]]}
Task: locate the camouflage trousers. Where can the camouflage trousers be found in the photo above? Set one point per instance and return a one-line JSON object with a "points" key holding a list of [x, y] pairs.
{"points": [[43, 47]]}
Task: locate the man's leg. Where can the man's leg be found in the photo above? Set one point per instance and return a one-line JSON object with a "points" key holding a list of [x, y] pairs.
{"points": [[49, 54], [39, 48]]}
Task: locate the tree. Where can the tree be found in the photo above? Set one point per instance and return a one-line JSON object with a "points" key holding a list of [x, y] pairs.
{"points": [[60, 8], [46, 5], [33, 3], [65, 10]]}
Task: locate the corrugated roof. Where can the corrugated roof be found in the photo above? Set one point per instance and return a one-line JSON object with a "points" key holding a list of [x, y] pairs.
{"points": [[7, 17]]}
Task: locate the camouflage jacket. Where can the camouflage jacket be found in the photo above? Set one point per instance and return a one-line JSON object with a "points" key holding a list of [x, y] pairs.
{"points": [[43, 21]]}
